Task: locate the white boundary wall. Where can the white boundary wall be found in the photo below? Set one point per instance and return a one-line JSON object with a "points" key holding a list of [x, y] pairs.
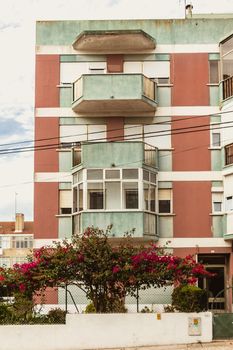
{"points": [[91, 331]]}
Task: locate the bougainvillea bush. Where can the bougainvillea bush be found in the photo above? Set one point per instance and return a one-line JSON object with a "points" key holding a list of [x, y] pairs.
{"points": [[105, 272]]}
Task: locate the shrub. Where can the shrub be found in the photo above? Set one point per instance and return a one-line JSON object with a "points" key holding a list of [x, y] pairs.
{"points": [[5, 314], [56, 315], [90, 309], [188, 298]]}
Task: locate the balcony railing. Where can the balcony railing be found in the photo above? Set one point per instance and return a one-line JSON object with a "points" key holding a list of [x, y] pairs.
{"points": [[95, 155], [227, 88], [114, 95]]}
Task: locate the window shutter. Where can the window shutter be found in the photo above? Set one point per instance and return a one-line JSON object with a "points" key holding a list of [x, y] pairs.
{"points": [[65, 198], [164, 194]]}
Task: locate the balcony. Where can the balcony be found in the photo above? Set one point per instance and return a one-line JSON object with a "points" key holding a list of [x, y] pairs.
{"points": [[227, 88], [130, 154], [114, 41], [114, 95], [228, 226], [143, 225]]}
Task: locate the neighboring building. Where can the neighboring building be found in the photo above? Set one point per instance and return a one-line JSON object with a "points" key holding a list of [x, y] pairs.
{"points": [[131, 116], [16, 241]]}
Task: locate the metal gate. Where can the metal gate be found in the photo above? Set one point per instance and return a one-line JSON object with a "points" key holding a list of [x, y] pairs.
{"points": [[223, 326]]}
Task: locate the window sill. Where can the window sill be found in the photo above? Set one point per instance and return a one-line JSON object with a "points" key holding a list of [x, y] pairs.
{"points": [[63, 150], [63, 215], [214, 148], [165, 85], [166, 214], [213, 84], [217, 214]]}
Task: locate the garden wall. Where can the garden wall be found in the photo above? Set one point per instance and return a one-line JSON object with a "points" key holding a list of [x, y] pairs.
{"points": [[89, 331]]}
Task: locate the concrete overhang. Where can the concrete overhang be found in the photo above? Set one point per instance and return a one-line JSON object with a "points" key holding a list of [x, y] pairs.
{"points": [[114, 41]]}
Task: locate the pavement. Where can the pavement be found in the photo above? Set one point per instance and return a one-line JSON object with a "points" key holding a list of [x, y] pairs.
{"points": [[215, 345]]}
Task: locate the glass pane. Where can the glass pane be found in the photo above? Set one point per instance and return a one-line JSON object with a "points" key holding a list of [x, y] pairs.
{"points": [[213, 72], [113, 195], [145, 175], [130, 173], [229, 203], [146, 196], [112, 174], [80, 197], [152, 198], [77, 156], [227, 63], [216, 139], [80, 176], [217, 206], [75, 208], [227, 45], [153, 178], [95, 196], [130, 195], [75, 178], [164, 206], [94, 174]]}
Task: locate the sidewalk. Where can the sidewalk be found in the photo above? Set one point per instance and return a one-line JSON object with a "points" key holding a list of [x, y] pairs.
{"points": [[215, 345]]}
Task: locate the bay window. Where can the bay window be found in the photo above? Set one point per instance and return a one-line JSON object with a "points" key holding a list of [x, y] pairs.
{"points": [[114, 189]]}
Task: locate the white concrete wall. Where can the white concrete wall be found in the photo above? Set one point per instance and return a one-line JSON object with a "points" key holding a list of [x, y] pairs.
{"points": [[86, 331]]}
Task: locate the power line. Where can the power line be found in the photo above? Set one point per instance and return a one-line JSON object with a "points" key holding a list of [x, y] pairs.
{"points": [[152, 134], [119, 164], [118, 129]]}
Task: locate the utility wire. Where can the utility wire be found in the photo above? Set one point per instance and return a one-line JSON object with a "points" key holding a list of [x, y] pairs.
{"points": [[118, 129], [150, 134], [117, 165]]}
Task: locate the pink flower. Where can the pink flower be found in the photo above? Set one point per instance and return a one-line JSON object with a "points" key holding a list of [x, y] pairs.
{"points": [[116, 269], [2, 278], [22, 288]]}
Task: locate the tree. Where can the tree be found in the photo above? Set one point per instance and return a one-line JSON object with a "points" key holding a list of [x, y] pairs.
{"points": [[105, 272]]}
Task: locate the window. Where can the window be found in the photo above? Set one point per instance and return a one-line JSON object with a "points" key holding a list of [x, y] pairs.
{"points": [[217, 202], [76, 154], [5, 242], [65, 201], [149, 197], [130, 190], [114, 189], [229, 203], [213, 72], [164, 200], [217, 206], [149, 224], [216, 141], [22, 242], [226, 57], [229, 154], [95, 195]]}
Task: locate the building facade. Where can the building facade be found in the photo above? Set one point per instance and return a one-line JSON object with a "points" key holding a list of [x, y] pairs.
{"points": [[16, 241], [133, 128]]}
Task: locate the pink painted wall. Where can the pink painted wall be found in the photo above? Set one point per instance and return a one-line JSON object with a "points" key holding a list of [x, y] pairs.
{"points": [[47, 79], [46, 196], [192, 208]]}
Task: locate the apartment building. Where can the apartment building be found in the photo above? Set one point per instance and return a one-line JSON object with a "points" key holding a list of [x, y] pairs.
{"points": [[16, 241], [133, 128]]}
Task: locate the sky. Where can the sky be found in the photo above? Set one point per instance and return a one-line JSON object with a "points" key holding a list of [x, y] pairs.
{"points": [[17, 66]]}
